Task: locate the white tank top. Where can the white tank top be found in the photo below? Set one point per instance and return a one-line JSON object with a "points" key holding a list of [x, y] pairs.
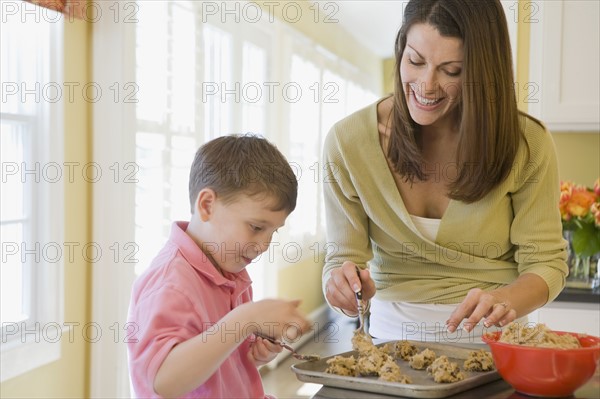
{"points": [[427, 227], [420, 321]]}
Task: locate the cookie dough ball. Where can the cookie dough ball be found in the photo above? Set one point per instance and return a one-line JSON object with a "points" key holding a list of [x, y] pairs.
{"points": [[362, 342], [404, 350], [444, 371], [422, 360], [479, 361], [391, 372], [389, 349], [342, 365], [370, 362]]}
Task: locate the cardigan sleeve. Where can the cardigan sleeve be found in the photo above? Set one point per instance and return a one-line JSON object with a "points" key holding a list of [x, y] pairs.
{"points": [[536, 229], [347, 222]]}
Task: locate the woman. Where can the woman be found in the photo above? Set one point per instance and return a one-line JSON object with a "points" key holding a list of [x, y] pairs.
{"points": [[444, 195]]}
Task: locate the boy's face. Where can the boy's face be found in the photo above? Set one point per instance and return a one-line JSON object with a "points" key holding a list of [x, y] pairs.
{"points": [[239, 231]]}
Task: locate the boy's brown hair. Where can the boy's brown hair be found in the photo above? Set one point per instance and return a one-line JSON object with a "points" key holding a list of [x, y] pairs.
{"points": [[243, 164]]}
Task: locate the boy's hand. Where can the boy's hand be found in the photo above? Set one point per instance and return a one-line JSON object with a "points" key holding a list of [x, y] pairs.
{"points": [[262, 351], [275, 317]]}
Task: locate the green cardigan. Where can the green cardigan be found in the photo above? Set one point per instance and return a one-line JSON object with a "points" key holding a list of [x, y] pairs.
{"points": [[487, 244]]}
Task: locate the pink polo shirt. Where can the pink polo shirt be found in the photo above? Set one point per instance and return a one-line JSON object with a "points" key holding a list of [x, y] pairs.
{"points": [[180, 296]]}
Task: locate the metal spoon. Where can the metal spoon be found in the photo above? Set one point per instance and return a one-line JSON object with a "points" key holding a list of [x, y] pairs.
{"points": [[296, 355], [361, 310]]}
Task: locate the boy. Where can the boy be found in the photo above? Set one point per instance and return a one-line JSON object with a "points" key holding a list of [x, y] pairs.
{"points": [[193, 306]]}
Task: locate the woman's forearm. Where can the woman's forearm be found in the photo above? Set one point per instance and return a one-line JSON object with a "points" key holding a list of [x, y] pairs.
{"points": [[527, 293]]}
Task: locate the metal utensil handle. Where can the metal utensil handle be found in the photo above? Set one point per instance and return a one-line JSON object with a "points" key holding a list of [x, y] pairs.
{"points": [[269, 338], [275, 341], [359, 304], [286, 346], [359, 300]]}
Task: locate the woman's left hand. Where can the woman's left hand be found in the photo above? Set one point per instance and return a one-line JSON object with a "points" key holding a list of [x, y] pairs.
{"points": [[478, 305], [262, 351]]}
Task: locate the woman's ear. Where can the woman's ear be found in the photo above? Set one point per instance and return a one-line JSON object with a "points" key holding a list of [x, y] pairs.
{"points": [[205, 203]]}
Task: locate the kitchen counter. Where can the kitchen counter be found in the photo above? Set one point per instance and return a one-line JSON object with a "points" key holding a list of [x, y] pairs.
{"points": [[579, 295], [336, 338], [495, 390]]}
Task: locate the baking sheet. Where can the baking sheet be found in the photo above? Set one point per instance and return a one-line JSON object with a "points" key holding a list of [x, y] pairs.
{"points": [[423, 385]]}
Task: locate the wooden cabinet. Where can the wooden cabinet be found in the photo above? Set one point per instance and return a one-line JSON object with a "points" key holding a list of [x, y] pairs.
{"points": [[564, 83]]}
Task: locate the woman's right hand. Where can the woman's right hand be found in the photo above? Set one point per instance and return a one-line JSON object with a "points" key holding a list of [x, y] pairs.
{"points": [[344, 283]]}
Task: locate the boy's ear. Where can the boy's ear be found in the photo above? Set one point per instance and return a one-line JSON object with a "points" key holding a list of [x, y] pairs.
{"points": [[205, 203]]}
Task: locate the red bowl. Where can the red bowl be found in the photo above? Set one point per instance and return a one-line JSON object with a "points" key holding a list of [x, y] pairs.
{"points": [[545, 372]]}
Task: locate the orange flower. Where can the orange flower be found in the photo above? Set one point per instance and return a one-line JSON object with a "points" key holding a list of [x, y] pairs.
{"points": [[581, 201], [580, 212], [566, 189], [566, 185], [577, 201], [595, 209]]}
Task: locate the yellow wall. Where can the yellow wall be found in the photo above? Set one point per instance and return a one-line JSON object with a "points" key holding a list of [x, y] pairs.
{"points": [[578, 156], [68, 377], [302, 281], [388, 75]]}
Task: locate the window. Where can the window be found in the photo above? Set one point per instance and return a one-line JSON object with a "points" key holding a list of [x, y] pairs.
{"points": [[328, 98], [167, 115], [304, 138], [32, 170], [254, 74], [202, 79], [218, 63], [188, 77], [196, 78]]}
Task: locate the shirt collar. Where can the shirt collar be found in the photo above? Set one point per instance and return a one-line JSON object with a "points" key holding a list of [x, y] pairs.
{"points": [[198, 259]]}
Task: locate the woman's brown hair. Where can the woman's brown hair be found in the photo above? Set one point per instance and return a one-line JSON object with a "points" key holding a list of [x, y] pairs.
{"points": [[488, 115]]}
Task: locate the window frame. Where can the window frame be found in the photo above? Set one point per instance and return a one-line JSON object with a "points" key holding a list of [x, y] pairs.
{"points": [[28, 347]]}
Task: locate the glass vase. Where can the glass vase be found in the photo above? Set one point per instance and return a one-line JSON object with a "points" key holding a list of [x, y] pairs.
{"points": [[584, 271], [580, 270]]}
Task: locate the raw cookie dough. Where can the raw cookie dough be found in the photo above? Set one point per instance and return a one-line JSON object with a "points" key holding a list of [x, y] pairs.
{"points": [[391, 372], [422, 360], [538, 335], [404, 350], [444, 371], [370, 362], [362, 342], [342, 365], [479, 361]]}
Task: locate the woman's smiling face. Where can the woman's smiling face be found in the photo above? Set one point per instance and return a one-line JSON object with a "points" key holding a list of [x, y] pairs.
{"points": [[431, 72]]}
